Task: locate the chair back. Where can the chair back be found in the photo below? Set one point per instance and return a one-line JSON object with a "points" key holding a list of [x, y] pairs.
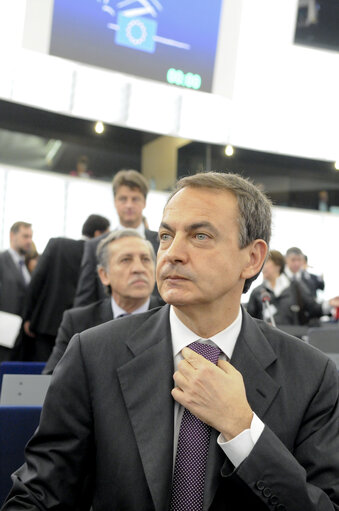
{"points": [[17, 425], [20, 368]]}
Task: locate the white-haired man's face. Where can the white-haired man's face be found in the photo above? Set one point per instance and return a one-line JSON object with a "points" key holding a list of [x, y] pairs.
{"points": [[131, 269]]}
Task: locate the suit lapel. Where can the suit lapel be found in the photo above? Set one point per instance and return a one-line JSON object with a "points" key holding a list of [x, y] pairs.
{"points": [[15, 270], [252, 355], [146, 383]]}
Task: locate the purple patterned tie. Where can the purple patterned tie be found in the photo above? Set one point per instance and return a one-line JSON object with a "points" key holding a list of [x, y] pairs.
{"points": [[190, 463]]}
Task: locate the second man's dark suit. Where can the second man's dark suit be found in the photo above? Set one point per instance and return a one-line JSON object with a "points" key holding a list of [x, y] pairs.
{"points": [[89, 287], [79, 319], [51, 291], [109, 416]]}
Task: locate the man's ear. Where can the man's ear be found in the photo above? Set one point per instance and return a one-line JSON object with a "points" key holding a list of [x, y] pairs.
{"points": [[257, 252], [103, 276]]}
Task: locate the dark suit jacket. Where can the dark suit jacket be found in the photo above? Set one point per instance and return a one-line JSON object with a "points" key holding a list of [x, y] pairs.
{"points": [[313, 282], [90, 288], [79, 319], [109, 415], [52, 288], [12, 285]]}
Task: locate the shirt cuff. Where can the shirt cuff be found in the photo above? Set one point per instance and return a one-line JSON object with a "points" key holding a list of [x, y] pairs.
{"points": [[240, 446]]}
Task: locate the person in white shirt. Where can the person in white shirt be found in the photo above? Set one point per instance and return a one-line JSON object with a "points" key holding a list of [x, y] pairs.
{"points": [[284, 301]]}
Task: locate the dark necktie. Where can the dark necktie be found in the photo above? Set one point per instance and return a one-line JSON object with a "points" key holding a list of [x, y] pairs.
{"points": [[192, 450]]}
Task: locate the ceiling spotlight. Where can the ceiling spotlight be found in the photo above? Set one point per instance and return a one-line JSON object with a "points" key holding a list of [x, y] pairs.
{"points": [[336, 165], [99, 127], [229, 150]]}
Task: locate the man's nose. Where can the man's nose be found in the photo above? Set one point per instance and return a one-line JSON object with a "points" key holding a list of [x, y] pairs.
{"points": [[137, 266], [177, 250]]}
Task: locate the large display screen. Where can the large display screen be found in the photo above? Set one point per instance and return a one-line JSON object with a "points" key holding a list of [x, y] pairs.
{"points": [[171, 41]]}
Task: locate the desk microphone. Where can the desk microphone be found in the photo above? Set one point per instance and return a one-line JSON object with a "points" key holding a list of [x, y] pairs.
{"points": [[266, 300]]}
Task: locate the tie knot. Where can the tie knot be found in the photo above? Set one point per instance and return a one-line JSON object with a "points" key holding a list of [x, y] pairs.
{"points": [[211, 353]]}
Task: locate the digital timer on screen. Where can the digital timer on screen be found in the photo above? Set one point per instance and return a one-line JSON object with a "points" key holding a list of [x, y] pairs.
{"points": [[172, 41]]}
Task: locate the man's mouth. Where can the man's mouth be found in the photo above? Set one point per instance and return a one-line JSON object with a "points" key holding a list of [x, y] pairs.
{"points": [[175, 277]]}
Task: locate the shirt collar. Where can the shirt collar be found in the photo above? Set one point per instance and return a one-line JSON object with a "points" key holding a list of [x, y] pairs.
{"points": [[140, 229], [16, 256], [281, 284], [183, 336], [291, 275], [117, 311]]}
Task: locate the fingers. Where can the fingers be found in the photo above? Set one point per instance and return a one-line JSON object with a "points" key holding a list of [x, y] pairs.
{"points": [[193, 358], [226, 366]]}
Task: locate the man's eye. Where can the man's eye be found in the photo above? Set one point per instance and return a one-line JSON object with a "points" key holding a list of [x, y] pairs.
{"points": [[165, 237], [201, 236]]}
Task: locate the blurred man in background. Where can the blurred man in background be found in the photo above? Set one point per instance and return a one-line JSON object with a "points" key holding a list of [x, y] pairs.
{"points": [[130, 190]]}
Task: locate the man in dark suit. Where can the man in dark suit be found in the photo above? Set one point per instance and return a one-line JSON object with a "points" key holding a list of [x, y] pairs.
{"points": [[130, 190], [129, 284], [52, 288], [312, 281], [14, 275], [111, 430]]}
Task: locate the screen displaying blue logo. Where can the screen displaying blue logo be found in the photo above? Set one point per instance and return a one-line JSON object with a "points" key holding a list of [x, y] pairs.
{"points": [[141, 37], [137, 33]]}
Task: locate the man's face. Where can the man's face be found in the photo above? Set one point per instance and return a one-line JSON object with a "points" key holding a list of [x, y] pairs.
{"points": [[199, 259], [294, 262], [21, 241], [270, 270], [131, 269], [129, 203]]}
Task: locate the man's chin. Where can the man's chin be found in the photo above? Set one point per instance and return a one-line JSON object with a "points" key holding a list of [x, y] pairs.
{"points": [[129, 222], [175, 298]]}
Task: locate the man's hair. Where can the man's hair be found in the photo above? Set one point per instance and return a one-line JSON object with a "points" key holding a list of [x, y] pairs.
{"points": [[294, 251], [94, 223], [277, 258], [254, 207], [17, 226], [103, 247], [132, 179]]}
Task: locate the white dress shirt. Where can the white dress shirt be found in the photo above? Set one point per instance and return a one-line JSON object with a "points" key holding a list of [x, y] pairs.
{"points": [[117, 310], [239, 447]]}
